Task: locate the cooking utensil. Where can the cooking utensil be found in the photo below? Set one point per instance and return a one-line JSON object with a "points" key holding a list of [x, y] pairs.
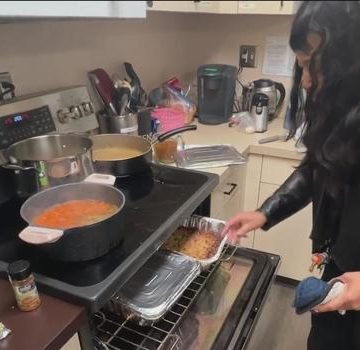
{"points": [[79, 243], [49, 160], [138, 95], [132, 165], [151, 292], [273, 139], [105, 88]]}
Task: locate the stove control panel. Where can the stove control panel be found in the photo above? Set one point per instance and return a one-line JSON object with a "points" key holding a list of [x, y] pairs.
{"points": [[63, 111], [22, 125]]}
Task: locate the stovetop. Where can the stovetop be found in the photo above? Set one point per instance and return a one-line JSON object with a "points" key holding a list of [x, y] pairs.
{"points": [[156, 203]]}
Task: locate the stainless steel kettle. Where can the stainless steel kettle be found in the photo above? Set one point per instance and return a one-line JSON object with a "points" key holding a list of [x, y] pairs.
{"points": [[274, 90]]}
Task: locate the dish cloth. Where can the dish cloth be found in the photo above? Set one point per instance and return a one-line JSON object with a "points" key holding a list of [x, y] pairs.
{"points": [[313, 291]]}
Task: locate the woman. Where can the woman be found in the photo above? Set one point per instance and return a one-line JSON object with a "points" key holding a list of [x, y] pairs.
{"points": [[325, 37]]}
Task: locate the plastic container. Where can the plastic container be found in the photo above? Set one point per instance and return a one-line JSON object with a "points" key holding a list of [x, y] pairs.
{"points": [[169, 118]]}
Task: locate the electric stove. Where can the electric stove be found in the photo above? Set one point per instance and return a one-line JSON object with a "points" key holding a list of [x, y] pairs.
{"points": [[156, 203]]}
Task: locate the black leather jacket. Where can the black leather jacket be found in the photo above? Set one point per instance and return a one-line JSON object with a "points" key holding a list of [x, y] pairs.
{"points": [[335, 219]]}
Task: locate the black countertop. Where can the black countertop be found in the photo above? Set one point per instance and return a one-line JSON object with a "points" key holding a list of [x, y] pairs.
{"points": [[156, 204]]}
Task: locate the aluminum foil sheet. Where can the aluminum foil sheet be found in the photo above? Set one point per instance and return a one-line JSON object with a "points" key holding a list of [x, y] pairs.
{"points": [[208, 156], [212, 225], [151, 292]]}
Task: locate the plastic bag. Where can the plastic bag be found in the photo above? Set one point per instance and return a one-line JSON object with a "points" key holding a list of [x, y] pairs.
{"points": [[243, 121], [171, 94]]}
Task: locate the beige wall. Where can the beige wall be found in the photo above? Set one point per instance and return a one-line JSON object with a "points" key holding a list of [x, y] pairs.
{"points": [[46, 54]]}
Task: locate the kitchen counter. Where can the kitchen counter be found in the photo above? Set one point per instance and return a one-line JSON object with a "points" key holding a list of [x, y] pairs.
{"points": [[48, 327], [244, 143]]}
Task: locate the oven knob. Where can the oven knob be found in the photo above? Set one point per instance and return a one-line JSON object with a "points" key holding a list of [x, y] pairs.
{"points": [[88, 108], [75, 112], [63, 115]]}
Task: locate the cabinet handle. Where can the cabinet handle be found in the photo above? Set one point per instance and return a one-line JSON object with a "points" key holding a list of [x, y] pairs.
{"points": [[233, 186], [149, 3], [281, 4]]}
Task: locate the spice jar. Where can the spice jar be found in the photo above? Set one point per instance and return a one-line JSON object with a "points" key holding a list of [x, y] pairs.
{"points": [[23, 284]]}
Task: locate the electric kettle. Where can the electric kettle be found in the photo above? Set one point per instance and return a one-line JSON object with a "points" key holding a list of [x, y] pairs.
{"points": [[274, 90]]}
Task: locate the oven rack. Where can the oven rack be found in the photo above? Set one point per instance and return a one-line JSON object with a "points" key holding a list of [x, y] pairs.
{"points": [[114, 332]]}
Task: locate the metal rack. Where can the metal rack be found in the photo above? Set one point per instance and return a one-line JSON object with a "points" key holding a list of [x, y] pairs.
{"points": [[117, 333]]}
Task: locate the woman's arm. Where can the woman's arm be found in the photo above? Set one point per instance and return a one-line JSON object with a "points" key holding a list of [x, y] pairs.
{"points": [[293, 195]]}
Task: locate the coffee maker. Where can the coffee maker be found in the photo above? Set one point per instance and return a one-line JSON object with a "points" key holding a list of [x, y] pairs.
{"points": [[216, 90]]}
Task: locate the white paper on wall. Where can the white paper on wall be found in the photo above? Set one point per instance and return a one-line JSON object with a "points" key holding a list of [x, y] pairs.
{"points": [[278, 58]]}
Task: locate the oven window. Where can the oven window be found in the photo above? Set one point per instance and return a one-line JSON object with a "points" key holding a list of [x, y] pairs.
{"points": [[206, 317]]}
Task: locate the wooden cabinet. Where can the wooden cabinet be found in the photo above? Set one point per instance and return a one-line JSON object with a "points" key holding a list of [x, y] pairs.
{"points": [[268, 7], [290, 238], [229, 7], [65, 9], [226, 198]]}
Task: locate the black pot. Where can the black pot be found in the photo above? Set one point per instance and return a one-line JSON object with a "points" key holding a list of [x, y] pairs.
{"points": [[133, 165], [79, 243]]}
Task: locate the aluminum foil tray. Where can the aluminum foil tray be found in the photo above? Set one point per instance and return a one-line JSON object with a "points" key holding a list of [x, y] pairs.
{"points": [[208, 156], [151, 292], [207, 224]]}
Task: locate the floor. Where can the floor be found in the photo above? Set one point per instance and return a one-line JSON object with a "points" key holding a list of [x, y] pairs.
{"points": [[279, 328]]}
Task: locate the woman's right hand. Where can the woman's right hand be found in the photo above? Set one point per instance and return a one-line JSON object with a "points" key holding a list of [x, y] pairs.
{"points": [[242, 223]]}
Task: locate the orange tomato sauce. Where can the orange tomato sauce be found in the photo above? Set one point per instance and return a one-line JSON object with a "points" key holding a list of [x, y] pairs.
{"points": [[75, 213]]}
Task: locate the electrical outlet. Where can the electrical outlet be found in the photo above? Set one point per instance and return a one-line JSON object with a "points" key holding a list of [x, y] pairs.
{"points": [[247, 56], [5, 77]]}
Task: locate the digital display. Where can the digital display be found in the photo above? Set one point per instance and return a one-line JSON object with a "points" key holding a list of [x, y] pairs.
{"points": [[16, 119]]}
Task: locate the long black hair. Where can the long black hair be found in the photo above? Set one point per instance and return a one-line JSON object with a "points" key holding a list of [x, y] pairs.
{"points": [[332, 109]]}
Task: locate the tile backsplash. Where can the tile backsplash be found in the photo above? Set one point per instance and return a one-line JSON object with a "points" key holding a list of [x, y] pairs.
{"points": [[48, 54]]}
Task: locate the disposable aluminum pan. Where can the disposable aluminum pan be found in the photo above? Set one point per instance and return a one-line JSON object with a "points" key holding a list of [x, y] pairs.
{"points": [[210, 225], [151, 292]]}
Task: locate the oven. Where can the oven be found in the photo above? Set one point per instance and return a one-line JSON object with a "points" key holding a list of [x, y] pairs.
{"points": [[219, 308]]}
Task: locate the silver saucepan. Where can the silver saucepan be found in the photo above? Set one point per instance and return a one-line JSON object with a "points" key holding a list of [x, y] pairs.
{"points": [[50, 160]]}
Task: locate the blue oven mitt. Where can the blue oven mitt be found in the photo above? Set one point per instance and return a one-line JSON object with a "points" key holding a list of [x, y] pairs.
{"points": [[313, 291]]}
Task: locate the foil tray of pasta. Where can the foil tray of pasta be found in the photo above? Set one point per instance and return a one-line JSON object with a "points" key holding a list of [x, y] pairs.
{"points": [[199, 238]]}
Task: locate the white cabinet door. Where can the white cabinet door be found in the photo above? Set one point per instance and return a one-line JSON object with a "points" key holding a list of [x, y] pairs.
{"points": [[64, 9], [289, 239], [268, 7], [230, 7]]}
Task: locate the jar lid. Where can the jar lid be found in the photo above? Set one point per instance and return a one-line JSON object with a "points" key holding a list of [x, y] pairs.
{"points": [[19, 270]]}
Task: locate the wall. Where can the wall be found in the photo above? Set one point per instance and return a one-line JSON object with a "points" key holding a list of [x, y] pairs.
{"points": [[48, 54]]}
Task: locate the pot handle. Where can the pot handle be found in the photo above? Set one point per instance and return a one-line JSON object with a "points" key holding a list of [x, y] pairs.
{"points": [[101, 179], [170, 133], [40, 235], [17, 167]]}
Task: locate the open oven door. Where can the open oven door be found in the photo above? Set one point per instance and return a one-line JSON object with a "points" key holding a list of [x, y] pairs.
{"points": [[218, 310], [226, 311]]}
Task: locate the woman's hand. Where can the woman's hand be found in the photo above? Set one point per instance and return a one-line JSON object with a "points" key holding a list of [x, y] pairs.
{"points": [[349, 299], [242, 223]]}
